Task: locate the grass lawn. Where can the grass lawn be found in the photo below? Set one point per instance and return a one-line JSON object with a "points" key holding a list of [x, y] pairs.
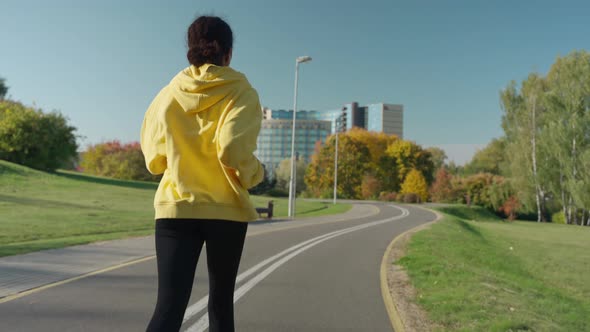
{"points": [[42, 211], [303, 209], [491, 275]]}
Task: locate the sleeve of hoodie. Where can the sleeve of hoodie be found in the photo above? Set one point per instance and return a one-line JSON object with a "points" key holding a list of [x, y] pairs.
{"points": [[237, 139], [153, 139]]}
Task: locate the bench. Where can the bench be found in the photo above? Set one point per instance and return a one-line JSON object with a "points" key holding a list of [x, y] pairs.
{"points": [[268, 210]]}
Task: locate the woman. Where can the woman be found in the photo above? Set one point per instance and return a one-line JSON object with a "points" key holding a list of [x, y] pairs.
{"points": [[200, 132]]}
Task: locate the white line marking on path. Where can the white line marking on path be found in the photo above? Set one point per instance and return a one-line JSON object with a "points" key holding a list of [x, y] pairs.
{"points": [[202, 303], [203, 323]]}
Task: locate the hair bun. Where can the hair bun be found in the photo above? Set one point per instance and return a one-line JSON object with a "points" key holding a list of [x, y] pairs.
{"points": [[210, 40], [209, 48]]}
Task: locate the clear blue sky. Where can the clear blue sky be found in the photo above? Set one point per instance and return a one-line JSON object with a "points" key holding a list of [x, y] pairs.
{"points": [[101, 62]]}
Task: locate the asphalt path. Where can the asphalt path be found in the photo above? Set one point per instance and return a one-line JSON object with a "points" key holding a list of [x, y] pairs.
{"points": [[297, 276]]}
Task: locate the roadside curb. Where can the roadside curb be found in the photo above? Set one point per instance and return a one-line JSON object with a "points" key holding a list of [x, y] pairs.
{"points": [[393, 312]]}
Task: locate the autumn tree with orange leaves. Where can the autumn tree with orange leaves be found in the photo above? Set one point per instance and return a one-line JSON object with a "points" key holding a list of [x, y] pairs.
{"points": [[116, 160]]}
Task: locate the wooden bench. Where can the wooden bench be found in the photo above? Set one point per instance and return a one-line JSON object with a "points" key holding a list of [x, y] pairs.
{"points": [[268, 210]]}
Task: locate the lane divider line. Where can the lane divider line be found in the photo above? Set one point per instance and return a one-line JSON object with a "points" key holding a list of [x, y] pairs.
{"points": [[203, 323], [202, 303]]}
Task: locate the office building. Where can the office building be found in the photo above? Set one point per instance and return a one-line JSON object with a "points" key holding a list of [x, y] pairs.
{"points": [[274, 141]]}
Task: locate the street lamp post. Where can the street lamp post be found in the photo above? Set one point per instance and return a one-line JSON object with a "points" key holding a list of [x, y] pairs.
{"points": [[336, 166], [292, 185], [338, 124]]}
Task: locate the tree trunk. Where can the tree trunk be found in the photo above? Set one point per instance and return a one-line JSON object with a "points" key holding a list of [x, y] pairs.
{"points": [[534, 158], [564, 204], [543, 205], [571, 203], [570, 206]]}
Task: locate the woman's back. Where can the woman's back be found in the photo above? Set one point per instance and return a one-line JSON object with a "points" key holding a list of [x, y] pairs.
{"points": [[200, 132]]}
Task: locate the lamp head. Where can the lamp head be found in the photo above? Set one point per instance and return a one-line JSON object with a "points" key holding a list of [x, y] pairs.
{"points": [[303, 59]]}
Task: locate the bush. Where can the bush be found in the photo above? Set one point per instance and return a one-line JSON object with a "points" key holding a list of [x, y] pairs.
{"points": [[29, 137], [558, 218], [441, 189], [275, 192], [415, 184], [116, 160], [369, 187], [411, 198], [388, 196], [282, 176], [509, 208], [263, 187]]}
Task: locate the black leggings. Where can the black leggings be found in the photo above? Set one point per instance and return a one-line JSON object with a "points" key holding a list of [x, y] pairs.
{"points": [[178, 246]]}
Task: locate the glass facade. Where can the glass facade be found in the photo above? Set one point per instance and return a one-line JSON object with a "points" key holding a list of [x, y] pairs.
{"points": [[274, 141], [375, 120]]}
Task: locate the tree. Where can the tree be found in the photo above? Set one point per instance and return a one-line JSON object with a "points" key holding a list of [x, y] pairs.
{"points": [[382, 167], [568, 104], [438, 157], [370, 187], [3, 89], [487, 190], [265, 186], [29, 137], [354, 162], [455, 169], [498, 192], [546, 122], [415, 183], [283, 175], [490, 159], [523, 120], [408, 156], [580, 192], [441, 189], [376, 142], [316, 178], [387, 173], [510, 207]]}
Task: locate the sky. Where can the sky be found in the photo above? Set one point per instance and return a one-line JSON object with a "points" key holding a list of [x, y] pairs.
{"points": [[101, 63]]}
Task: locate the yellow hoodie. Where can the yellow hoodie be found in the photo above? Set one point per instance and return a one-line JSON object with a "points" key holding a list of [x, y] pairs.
{"points": [[200, 131]]}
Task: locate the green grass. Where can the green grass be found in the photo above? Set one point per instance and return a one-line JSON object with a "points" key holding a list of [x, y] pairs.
{"points": [[303, 209], [42, 211], [497, 276]]}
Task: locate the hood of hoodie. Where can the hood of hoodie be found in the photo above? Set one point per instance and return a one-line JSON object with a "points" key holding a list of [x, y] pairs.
{"points": [[198, 88]]}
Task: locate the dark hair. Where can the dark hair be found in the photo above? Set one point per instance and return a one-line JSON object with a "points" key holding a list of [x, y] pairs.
{"points": [[209, 40]]}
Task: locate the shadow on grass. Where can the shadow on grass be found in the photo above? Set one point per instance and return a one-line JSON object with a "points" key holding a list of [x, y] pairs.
{"points": [[312, 211], [469, 228], [6, 168], [108, 181], [43, 202], [477, 213]]}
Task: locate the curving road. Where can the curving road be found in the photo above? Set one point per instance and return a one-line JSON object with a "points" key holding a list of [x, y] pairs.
{"points": [[304, 275]]}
